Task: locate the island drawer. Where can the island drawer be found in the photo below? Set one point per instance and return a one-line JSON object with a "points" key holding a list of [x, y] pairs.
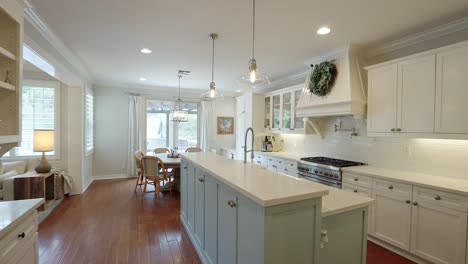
{"points": [[17, 238], [396, 189], [357, 179], [357, 189], [440, 198]]}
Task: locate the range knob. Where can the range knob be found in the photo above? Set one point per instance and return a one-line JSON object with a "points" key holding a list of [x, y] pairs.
{"points": [[316, 171], [326, 174]]}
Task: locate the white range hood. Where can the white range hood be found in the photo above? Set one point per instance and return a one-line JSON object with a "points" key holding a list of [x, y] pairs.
{"points": [[348, 95]]}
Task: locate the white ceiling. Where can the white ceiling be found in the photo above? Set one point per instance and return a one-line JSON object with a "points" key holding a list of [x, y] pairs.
{"points": [[108, 34]]}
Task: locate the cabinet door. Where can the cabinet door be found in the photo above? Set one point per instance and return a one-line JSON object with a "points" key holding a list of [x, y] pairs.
{"points": [[199, 207], [267, 123], [191, 196], [298, 122], [382, 107], [438, 234], [29, 254], [183, 189], [391, 219], [211, 219], [227, 226], [416, 92], [276, 112], [286, 111], [452, 91]]}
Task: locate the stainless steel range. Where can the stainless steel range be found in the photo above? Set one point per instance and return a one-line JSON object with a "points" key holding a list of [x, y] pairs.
{"points": [[324, 170]]}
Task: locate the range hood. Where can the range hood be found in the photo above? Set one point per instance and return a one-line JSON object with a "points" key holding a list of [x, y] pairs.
{"points": [[348, 95]]}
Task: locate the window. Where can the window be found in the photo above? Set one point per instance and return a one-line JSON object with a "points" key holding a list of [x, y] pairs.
{"points": [[161, 132], [89, 122], [40, 109]]}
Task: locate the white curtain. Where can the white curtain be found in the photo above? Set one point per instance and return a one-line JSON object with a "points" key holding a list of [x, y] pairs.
{"points": [[207, 126], [136, 139]]}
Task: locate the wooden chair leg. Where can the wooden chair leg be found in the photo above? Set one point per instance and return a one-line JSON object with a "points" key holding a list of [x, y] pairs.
{"points": [[144, 188], [156, 188], [138, 181]]}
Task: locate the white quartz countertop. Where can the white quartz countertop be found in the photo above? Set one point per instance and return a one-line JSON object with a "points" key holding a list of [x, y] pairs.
{"points": [[281, 155], [458, 186], [13, 212], [338, 201], [265, 187]]}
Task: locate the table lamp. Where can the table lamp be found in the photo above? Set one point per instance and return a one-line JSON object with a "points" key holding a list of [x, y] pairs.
{"points": [[43, 142]]}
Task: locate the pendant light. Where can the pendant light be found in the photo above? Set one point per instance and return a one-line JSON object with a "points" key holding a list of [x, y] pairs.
{"points": [[212, 94], [253, 77], [179, 114]]}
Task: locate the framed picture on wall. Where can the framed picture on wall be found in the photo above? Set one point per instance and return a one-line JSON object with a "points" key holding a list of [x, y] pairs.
{"points": [[225, 125]]}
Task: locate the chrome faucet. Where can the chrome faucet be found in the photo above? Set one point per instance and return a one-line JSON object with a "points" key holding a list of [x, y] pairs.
{"points": [[245, 146]]}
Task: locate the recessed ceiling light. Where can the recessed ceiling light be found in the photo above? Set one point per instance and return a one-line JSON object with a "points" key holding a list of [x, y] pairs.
{"points": [[238, 91], [323, 30], [142, 79], [145, 50]]}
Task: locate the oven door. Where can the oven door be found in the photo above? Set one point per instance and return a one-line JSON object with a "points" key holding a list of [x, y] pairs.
{"points": [[321, 180]]}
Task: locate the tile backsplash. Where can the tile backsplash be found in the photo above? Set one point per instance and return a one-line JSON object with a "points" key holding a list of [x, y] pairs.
{"points": [[441, 157]]}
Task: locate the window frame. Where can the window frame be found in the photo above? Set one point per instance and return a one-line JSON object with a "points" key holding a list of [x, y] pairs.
{"points": [[89, 92], [174, 126], [50, 84]]}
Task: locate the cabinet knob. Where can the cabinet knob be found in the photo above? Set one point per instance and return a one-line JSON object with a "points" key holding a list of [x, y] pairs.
{"points": [[437, 197], [415, 203], [201, 180], [21, 235], [408, 201], [356, 179], [185, 167], [398, 129], [355, 191], [393, 130], [390, 187], [231, 203]]}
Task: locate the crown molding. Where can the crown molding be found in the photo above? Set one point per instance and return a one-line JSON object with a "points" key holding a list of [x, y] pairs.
{"points": [[283, 82], [40, 25], [432, 33]]}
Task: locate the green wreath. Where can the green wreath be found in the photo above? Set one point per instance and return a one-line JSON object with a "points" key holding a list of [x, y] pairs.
{"points": [[322, 78]]}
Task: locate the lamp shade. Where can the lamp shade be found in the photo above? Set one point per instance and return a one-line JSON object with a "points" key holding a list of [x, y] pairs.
{"points": [[43, 140]]}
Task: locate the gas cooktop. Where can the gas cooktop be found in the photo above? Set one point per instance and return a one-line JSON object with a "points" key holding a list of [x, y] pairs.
{"points": [[332, 162]]}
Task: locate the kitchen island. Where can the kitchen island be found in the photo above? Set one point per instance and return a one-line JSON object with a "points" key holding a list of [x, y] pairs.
{"points": [[242, 213]]}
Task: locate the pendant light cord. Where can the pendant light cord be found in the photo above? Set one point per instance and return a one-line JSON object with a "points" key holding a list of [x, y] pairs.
{"points": [[253, 31], [212, 60], [180, 76]]}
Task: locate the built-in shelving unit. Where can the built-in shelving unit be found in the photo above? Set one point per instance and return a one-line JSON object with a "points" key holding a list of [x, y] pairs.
{"points": [[11, 28]]}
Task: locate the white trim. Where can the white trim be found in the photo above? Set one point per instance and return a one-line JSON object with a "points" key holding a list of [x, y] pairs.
{"points": [[417, 38], [86, 186], [34, 18], [396, 250], [89, 91], [111, 177], [289, 80]]}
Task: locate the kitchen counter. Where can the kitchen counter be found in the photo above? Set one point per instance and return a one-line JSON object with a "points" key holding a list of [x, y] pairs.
{"points": [[281, 155], [458, 186], [338, 201], [14, 212], [265, 187]]}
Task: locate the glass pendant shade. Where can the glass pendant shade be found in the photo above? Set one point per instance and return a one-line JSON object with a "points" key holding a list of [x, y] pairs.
{"points": [[179, 114], [212, 94]]}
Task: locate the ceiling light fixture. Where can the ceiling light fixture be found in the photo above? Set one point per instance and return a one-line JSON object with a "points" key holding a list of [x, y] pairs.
{"points": [[145, 51], [212, 94], [323, 30], [142, 79], [253, 75], [179, 114]]}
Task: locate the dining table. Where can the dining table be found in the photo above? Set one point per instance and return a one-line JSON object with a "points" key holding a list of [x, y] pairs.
{"points": [[170, 163]]}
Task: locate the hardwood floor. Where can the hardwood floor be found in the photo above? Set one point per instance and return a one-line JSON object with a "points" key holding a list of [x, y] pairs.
{"points": [[112, 224]]}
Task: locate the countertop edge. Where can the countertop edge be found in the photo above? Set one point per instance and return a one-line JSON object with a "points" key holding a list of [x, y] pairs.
{"points": [[19, 219], [345, 209]]}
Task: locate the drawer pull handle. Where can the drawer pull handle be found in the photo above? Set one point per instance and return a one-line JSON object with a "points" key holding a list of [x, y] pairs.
{"points": [[393, 130], [398, 129], [185, 167], [356, 179], [415, 203], [437, 197], [201, 179], [408, 201], [390, 187], [21, 235], [355, 191], [231, 203]]}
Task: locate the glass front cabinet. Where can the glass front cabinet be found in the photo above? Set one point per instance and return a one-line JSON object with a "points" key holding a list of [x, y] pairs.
{"points": [[280, 114]]}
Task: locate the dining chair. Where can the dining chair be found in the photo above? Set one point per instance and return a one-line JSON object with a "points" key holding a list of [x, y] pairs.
{"points": [[155, 173], [161, 150], [138, 155], [193, 149]]}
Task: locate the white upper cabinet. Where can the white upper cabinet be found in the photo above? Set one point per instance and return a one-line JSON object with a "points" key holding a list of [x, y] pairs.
{"points": [[452, 91], [423, 95], [416, 95], [280, 111], [382, 99]]}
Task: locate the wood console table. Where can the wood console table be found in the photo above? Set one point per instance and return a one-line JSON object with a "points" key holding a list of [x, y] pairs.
{"points": [[36, 185]]}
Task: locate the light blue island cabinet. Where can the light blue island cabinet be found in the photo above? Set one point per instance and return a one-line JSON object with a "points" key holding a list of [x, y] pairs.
{"points": [[233, 214]]}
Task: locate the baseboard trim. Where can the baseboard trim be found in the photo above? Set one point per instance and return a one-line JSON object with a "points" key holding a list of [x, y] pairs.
{"points": [[397, 250], [112, 177], [90, 181]]}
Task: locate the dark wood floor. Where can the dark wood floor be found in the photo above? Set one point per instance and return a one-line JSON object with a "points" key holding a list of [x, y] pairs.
{"points": [[112, 224]]}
